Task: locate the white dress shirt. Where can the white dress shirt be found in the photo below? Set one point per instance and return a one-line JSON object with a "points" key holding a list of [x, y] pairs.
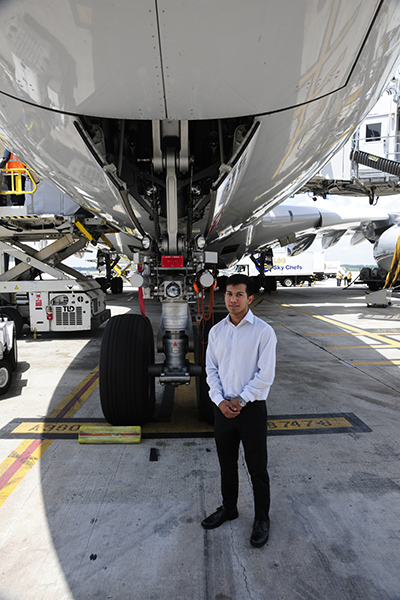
{"points": [[240, 359]]}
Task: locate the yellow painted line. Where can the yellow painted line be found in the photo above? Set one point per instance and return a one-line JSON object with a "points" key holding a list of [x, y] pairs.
{"points": [[351, 328], [366, 347], [375, 362], [315, 423], [329, 334], [74, 400], [14, 468], [18, 464]]}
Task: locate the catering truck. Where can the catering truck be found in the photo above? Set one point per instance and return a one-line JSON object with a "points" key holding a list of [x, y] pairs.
{"points": [[287, 270]]}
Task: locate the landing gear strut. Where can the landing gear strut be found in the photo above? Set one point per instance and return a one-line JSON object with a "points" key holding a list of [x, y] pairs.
{"points": [[169, 266]]}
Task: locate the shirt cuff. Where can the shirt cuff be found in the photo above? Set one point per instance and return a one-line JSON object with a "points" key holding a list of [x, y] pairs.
{"points": [[217, 399]]}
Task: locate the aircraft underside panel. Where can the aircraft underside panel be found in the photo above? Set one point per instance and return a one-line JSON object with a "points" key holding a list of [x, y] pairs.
{"points": [[157, 59], [109, 165]]}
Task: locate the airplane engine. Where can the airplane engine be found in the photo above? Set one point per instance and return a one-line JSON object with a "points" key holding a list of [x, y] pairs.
{"points": [[385, 247]]}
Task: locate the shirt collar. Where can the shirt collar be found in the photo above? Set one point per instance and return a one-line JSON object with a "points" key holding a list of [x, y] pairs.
{"points": [[249, 316]]}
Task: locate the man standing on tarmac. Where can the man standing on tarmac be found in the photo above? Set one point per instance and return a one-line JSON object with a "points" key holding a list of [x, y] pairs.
{"points": [[240, 365]]}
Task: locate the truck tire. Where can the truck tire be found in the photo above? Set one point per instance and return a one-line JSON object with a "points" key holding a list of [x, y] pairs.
{"points": [[256, 280], [116, 285], [127, 392], [5, 376], [288, 282], [102, 281]]}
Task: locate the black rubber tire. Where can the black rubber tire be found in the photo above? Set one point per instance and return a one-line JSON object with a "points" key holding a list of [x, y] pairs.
{"points": [[256, 280], [102, 281], [127, 392], [11, 313], [5, 376], [288, 282], [116, 285], [205, 410]]}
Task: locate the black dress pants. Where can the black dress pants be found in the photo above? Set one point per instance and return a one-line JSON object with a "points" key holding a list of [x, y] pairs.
{"points": [[250, 427]]}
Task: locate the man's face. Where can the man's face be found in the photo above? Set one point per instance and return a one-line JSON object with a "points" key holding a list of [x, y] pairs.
{"points": [[236, 300]]}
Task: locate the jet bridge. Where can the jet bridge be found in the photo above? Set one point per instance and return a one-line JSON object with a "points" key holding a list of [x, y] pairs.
{"points": [[36, 287]]}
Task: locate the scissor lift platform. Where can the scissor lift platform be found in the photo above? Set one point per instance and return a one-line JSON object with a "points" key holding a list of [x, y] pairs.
{"points": [[38, 288]]}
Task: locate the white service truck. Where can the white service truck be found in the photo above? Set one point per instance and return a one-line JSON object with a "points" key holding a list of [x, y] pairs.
{"points": [[287, 270]]}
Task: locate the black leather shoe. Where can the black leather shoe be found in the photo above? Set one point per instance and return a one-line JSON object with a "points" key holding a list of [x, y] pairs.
{"points": [[260, 533], [218, 517]]}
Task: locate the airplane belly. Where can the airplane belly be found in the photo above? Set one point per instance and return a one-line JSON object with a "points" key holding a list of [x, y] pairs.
{"points": [[180, 60], [52, 145], [152, 60], [293, 144]]}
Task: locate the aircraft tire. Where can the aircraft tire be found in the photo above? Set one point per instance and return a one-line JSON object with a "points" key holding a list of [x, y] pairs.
{"points": [[13, 315], [205, 410], [127, 392], [116, 285], [5, 376]]}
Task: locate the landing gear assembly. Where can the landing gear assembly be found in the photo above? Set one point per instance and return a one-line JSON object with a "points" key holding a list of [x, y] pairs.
{"points": [[174, 268]]}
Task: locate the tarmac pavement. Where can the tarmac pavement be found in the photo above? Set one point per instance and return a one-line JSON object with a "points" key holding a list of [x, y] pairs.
{"points": [[122, 522]]}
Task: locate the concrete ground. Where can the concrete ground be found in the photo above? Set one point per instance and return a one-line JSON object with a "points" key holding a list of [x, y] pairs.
{"points": [[122, 522]]}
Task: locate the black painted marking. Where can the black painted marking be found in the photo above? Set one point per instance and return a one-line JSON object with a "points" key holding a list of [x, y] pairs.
{"points": [[154, 454]]}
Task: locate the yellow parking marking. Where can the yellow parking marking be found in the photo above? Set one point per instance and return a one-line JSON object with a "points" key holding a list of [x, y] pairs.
{"points": [[18, 464], [14, 468], [380, 340], [366, 346], [313, 423], [181, 426], [74, 400], [329, 334], [350, 328], [40, 427], [375, 362]]}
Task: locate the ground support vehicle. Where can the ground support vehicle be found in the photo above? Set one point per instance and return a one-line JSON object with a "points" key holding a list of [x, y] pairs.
{"points": [[8, 353], [36, 288], [286, 270], [374, 278]]}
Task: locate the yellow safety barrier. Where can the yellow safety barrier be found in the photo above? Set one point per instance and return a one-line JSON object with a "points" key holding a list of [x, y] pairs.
{"points": [[16, 182]]}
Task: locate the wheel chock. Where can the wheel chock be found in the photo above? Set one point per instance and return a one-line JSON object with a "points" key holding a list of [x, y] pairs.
{"points": [[107, 434]]}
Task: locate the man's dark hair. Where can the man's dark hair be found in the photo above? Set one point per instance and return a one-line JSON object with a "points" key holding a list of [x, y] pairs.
{"points": [[239, 278]]}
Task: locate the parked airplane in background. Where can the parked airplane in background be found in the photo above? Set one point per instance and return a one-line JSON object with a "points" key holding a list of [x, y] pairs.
{"points": [[184, 125]]}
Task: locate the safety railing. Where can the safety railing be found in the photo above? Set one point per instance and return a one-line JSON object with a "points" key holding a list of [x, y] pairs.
{"points": [[15, 177]]}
